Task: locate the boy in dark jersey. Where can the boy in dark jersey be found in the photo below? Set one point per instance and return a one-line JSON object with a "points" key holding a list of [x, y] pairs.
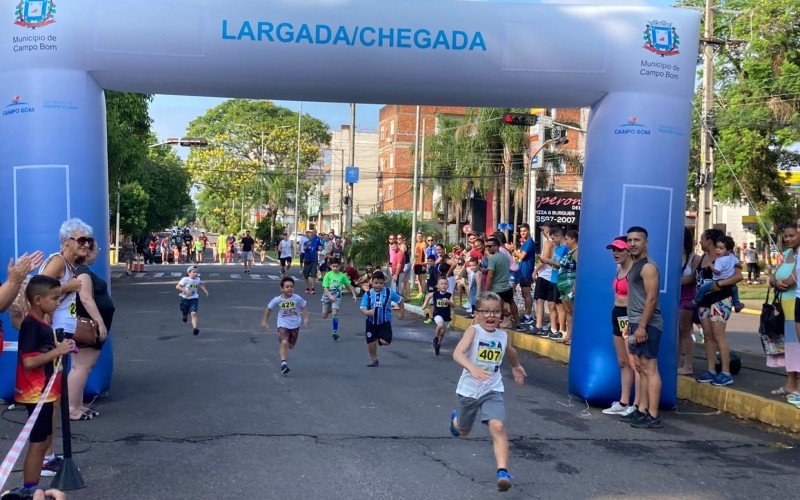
{"points": [[376, 305], [39, 361], [442, 301]]}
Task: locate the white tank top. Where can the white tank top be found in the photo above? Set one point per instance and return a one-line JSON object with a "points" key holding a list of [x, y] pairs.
{"points": [[546, 272], [66, 316], [487, 351]]}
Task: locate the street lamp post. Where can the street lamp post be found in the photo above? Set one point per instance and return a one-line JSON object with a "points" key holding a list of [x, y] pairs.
{"points": [[534, 173]]}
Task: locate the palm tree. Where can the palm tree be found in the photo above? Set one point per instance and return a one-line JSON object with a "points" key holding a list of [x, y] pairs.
{"points": [[370, 235]]}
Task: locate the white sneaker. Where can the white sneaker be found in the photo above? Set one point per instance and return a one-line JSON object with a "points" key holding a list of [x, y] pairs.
{"points": [[616, 409], [628, 410]]}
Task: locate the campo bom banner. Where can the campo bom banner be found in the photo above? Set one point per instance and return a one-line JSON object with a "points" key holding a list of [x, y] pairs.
{"points": [[560, 208]]}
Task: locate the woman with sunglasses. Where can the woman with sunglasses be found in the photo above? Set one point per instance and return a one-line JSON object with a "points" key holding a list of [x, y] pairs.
{"points": [[93, 302], [76, 243]]}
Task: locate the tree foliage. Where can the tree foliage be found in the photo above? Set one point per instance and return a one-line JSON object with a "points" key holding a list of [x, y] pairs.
{"points": [[371, 234], [757, 103], [251, 158]]}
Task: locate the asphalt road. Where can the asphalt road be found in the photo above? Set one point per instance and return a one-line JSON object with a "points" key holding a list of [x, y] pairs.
{"points": [[212, 417]]}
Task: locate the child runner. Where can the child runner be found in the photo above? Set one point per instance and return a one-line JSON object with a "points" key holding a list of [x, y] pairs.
{"points": [[376, 305], [442, 301], [291, 306], [432, 278], [286, 249], [480, 388], [332, 285], [190, 299], [475, 282], [38, 354]]}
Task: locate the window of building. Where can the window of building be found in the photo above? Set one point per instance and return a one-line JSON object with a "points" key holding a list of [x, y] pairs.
{"points": [[391, 128], [391, 162]]}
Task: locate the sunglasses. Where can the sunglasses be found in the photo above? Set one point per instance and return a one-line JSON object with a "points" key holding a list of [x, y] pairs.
{"points": [[83, 240]]}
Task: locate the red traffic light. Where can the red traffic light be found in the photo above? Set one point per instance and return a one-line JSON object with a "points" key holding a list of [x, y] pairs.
{"points": [[520, 119]]}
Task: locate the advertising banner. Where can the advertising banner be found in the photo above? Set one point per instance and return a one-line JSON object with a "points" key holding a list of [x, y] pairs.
{"points": [[562, 208]]}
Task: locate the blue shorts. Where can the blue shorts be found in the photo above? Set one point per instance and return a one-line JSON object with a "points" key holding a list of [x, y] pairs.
{"points": [[189, 305]]}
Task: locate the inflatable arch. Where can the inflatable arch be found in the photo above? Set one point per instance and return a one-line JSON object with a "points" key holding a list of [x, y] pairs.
{"points": [[634, 65]]}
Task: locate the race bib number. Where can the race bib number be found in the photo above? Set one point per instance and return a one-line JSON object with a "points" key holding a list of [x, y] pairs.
{"points": [[73, 309], [623, 322], [490, 355], [442, 303], [288, 308]]}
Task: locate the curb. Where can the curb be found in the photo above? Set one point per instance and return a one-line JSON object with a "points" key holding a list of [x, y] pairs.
{"points": [[741, 404]]}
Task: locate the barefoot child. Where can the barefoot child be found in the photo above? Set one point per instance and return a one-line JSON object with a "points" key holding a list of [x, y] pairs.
{"points": [[190, 299], [290, 306], [442, 301], [332, 285], [38, 354], [376, 305], [480, 388]]}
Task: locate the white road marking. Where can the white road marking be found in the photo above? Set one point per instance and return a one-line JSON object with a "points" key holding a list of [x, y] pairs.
{"points": [[158, 275]]}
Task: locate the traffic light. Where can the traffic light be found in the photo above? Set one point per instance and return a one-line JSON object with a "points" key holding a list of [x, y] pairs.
{"points": [[191, 142], [520, 119]]}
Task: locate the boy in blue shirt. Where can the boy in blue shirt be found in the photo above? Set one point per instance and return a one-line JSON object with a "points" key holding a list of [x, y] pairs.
{"points": [[376, 305]]}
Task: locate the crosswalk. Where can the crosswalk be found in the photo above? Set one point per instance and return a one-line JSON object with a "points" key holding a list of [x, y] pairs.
{"points": [[232, 276]]}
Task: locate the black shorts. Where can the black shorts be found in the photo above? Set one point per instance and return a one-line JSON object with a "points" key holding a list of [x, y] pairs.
{"points": [[506, 296], [649, 348], [43, 427], [797, 311], [555, 295], [419, 269], [382, 333], [527, 282], [619, 320], [542, 290], [286, 261]]}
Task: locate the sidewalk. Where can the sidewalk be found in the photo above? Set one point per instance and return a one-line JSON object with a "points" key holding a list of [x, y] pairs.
{"points": [[748, 398]]}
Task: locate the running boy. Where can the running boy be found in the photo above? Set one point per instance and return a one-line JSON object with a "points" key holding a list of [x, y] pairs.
{"points": [[190, 299], [290, 306], [480, 388], [286, 249], [38, 354], [376, 305], [332, 285], [442, 301]]}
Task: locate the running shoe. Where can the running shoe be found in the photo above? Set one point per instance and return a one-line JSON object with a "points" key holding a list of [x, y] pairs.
{"points": [[648, 422], [453, 430], [503, 480], [633, 416], [335, 336], [555, 336], [707, 377], [184, 317], [722, 379], [793, 398], [195, 331], [373, 363], [544, 332], [616, 408], [436, 345], [628, 410], [285, 368], [427, 321], [527, 320], [51, 467]]}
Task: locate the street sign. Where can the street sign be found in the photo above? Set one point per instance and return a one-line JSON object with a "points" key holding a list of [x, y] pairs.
{"points": [[505, 226], [466, 229], [351, 175], [546, 121]]}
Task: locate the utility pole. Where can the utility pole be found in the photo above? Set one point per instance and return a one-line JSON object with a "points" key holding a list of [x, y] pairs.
{"points": [[297, 177], [116, 243], [706, 180], [422, 175], [349, 219], [415, 191]]}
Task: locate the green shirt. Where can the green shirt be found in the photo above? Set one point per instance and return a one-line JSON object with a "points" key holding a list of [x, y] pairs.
{"points": [[335, 280], [499, 264]]}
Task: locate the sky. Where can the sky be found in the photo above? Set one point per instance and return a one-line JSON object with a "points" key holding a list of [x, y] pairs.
{"points": [[171, 114]]}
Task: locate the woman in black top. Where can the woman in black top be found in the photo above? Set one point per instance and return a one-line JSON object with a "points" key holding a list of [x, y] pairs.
{"points": [[93, 302]]}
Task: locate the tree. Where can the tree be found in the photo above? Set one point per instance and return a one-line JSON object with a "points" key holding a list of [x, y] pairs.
{"points": [[757, 104], [370, 236], [252, 156], [167, 184], [133, 209], [128, 129]]}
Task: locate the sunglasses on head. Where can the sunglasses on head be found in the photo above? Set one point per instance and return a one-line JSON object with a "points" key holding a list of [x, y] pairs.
{"points": [[83, 240]]}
